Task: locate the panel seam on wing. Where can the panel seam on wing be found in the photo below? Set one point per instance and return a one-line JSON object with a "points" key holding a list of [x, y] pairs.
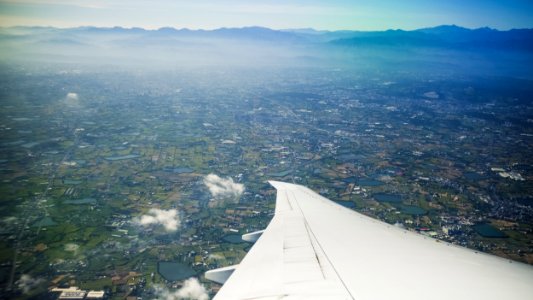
{"points": [[311, 234]]}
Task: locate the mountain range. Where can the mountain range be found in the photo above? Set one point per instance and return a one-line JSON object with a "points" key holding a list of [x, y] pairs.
{"points": [[445, 36]]}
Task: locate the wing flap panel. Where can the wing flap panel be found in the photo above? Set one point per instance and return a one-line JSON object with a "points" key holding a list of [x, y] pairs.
{"points": [[283, 262]]}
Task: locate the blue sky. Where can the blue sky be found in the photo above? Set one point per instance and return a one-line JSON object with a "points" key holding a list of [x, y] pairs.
{"points": [[277, 14]]}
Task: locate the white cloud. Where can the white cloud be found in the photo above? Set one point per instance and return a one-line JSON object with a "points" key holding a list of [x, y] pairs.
{"points": [[192, 289], [72, 100], [167, 218], [71, 247], [223, 188], [72, 96], [27, 283]]}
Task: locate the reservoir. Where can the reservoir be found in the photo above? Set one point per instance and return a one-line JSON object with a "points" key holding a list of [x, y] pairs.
{"points": [[123, 157], [280, 174], [81, 201], [45, 222], [349, 204], [71, 182], [180, 170], [525, 201], [473, 176], [412, 210], [489, 231], [369, 182], [392, 198], [233, 238], [173, 271]]}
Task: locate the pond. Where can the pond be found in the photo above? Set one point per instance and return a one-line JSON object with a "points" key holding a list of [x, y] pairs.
{"points": [[280, 174], [123, 157], [348, 157], [81, 201], [44, 222], [30, 145], [473, 176], [393, 198], [173, 271], [528, 201], [349, 204], [233, 238], [412, 210], [350, 180], [369, 182], [489, 231], [182, 170], [72, 181]]}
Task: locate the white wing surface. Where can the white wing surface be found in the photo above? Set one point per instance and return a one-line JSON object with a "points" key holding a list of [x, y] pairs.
{"points": [[316, 249]]}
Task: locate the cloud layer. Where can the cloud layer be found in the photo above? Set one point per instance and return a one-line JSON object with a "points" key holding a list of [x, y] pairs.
{"points": [[223, 188], [169, 219], [192, 289]]}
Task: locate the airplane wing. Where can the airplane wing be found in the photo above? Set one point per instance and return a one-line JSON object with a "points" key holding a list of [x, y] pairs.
{"points": [[316, 249]]}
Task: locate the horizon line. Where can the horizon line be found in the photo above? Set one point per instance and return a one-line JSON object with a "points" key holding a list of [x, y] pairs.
{"points": [[253, 26]]}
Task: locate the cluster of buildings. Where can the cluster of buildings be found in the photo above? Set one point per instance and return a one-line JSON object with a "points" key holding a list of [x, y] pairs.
{"points": [[74, 293]]}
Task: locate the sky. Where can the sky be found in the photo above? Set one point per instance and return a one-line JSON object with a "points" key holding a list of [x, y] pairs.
{"points": [[275, 14]]}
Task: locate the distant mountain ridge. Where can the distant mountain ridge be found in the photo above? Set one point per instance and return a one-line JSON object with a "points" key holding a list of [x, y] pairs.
{"points": [[440, 36], [445, 49], [438, 30], [448, 36], [445, 36]]}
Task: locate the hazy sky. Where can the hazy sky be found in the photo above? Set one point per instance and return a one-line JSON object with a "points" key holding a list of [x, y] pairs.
{"points": [[277, 14]]}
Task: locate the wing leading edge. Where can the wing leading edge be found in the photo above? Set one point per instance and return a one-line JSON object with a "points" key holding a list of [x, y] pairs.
{"points": [[316, 249]]}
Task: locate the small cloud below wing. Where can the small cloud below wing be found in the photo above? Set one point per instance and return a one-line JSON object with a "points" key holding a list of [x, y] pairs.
{"points": [[169, 219]]}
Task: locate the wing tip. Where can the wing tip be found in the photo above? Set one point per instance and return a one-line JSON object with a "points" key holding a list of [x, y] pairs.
{"points": [[220, 275], [278, 185], [275, 184]]}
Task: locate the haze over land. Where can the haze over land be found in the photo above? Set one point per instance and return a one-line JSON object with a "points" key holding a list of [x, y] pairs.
{"points": [[441, 49]]}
